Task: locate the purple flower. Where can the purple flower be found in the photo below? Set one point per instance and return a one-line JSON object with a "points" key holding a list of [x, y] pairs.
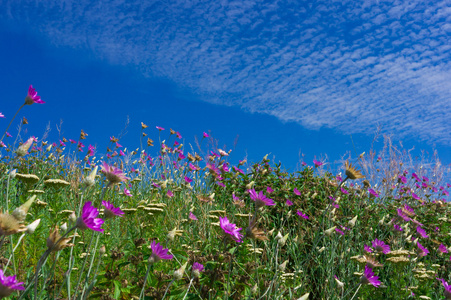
{"points": [[269, 190], [442, 248], [2, 115], [304, 216], [192, 216], [113, 174], [9, 284], [397, 227], [170, 194], [230, 229], [402, 215], [408, 210], [159, 128], [110, 211], [127, 193], [188, 180], [421, 250], [88, 218], [158, 252], [289, 203], [296, 192], [422, 232], [205, 135], [380, 246], [197, 269], [317, 163], [447, 288], [32, 97], [369, 277], [260, 199], [367, 248], [339, 231], [373, 193], [403, 179], [414, 196], [344, 191]]}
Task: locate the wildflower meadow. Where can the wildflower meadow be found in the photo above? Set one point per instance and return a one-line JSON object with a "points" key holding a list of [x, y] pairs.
{"points": [[175, 221]]}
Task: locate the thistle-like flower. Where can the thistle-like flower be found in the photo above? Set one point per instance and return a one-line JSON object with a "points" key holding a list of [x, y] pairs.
{"points": [[88, 218], [380, 246], [447, 288], [55, 244], [10, 225], [113, 174], [32, 97], [9, 284], [230, 229], [369, 277], [197, 269], [158, 253], [351, 172], [260, 199], [254, 233], [110, 211]]}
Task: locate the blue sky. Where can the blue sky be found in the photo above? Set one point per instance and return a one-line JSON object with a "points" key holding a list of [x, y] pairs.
{"points": [[285, 76]]}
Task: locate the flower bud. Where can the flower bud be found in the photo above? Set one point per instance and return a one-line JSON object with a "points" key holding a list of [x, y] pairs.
{"points": [[32, 226], [351, 223], [21, 212], [178, 274]]}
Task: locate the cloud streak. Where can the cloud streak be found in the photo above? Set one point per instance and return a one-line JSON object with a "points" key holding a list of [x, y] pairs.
{"points": [[345, 65]]}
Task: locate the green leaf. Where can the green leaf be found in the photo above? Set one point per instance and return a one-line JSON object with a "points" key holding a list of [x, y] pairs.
{"points": [[117, 289]]}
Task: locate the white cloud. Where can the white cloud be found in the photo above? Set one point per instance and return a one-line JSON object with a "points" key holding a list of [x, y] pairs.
{"points": [[346, 65]]}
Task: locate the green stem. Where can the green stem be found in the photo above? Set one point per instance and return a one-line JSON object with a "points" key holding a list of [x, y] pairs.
{"points": [[11, 122]]}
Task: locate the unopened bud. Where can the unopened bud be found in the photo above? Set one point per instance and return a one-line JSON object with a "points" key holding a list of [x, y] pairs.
{"points": [[283, 266], [351, 223], [64, 227], [102, 250], [21, 212], [330, 230], [32, 226], [178, 274]]}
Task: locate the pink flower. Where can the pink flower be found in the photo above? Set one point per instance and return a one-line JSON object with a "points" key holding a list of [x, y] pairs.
{"points": [[289, 203], [344, 191], [113, 174], [402, 215], [302, 215], [369, 277], [8, 134], [118, 145], [205, 135], [269, 190], [188, 180], [127, 193], [373, 193], [32, 97], [159, 128], [422, 232], [296, 192], [414, 196], [317, 163], [447, 288], [197, 269], [192, 216], [170, 194], [260, 199], [121, 153], [339, 231], [88, 218], [158, 252], [2, 115], [397, 227], [442, 248], [2, 145], [9, 284], [422, 251], [110, 211], [220, 183], [367, 248], [230, 229], [380, 246]]}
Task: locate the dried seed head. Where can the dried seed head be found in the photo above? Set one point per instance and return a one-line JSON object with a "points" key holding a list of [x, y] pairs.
{"points": [[10, 225], [55, 244]]}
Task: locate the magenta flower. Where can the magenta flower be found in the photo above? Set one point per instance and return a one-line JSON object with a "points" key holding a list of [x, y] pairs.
{"points": [[197, 269], [192, 216], [296, 192], [369, 277], [373, 193], [289, 203], [422, 251], [170, 194], [442, 248], [380, 246], [317, 163], [113, 174], [344, 191], [414, 196], [127, 193], [205, 135], [2, 145], [9, 284], [397, 227], [110, 211], [402, 215], [269, 190], [88, 218], [367, 248], [402, 179], [447, 288], [422, 232], [339, 231], [159, 128], [188, 180], [408, 210], [2, 115], [230, 229], [32, 97], [8, 134], [302, 215], [158, 252], [260, 199]]}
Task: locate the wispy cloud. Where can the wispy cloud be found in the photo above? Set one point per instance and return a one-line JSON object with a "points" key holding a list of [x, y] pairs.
{"points": [[345, 65]]}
